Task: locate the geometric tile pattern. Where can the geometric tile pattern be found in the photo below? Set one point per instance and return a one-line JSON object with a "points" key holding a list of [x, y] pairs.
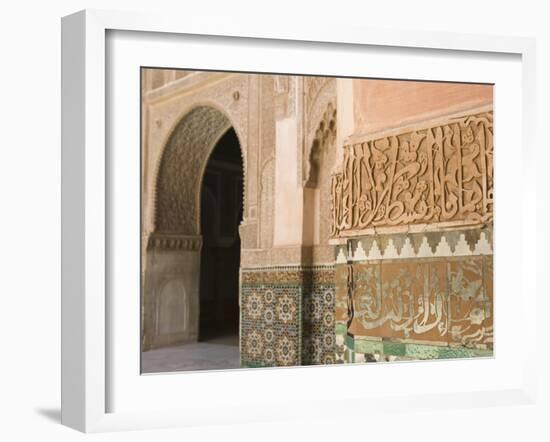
{"points": [[270, 332], [318, 337], [287, 316]]}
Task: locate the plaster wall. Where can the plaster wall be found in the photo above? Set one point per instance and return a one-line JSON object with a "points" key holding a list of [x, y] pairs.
{"points": [[288, 194], [171, 297], [380, 105], [345, 116]]}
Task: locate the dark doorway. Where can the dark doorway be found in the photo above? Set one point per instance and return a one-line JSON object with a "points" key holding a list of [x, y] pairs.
{"points": [[221, 214]]}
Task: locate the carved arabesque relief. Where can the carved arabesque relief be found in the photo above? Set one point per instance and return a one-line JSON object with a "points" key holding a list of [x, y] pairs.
{"points": [[319, 95], [267, 192], [439, 174], [181, 168], [275, 92], [325, 136], [284, 94], [312, 88]]}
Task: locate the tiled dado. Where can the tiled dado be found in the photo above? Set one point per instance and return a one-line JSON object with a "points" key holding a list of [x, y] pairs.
{"points": [[318, 302], [287, 316], [368, 350], [401, 308]]}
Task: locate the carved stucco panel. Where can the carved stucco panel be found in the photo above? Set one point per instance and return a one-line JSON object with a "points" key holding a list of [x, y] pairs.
{"points": [[312, 89], [321, 146], [319, 93], [226, 93], [268, 117], [440, 175], [267, 215], [285, 93], [324, 189], [272, 87], [180, 171], [254, 126]]}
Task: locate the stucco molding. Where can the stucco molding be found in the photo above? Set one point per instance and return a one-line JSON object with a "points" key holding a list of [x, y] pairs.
{"points": [[163, 241]]}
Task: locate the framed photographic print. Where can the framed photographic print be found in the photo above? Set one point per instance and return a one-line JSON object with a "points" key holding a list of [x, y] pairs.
{"points": [[257, 218], [377, 251]]}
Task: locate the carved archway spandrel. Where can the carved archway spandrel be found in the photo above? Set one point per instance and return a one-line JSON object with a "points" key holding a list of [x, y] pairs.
{"points": [[181, 168]]}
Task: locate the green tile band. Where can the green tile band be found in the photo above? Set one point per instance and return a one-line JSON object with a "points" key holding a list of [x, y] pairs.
{"points": [[365, 346], [394, 349], [411, 351]]}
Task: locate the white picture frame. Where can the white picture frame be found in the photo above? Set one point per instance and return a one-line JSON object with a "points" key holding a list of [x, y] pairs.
{"points": [[86, 317]]}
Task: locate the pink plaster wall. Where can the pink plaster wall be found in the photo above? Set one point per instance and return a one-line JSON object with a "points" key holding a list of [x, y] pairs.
{"points": [[385, 104]]}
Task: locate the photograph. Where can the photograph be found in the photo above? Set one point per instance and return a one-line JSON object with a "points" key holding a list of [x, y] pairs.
{"points": [[296, 220]]}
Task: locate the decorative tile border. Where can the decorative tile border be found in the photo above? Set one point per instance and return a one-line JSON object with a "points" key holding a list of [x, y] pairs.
{"points": [[291, 274], [471, 242]]}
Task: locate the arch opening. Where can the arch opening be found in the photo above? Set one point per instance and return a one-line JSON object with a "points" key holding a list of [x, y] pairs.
{"points": [[197, 209], [220, 215]]}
